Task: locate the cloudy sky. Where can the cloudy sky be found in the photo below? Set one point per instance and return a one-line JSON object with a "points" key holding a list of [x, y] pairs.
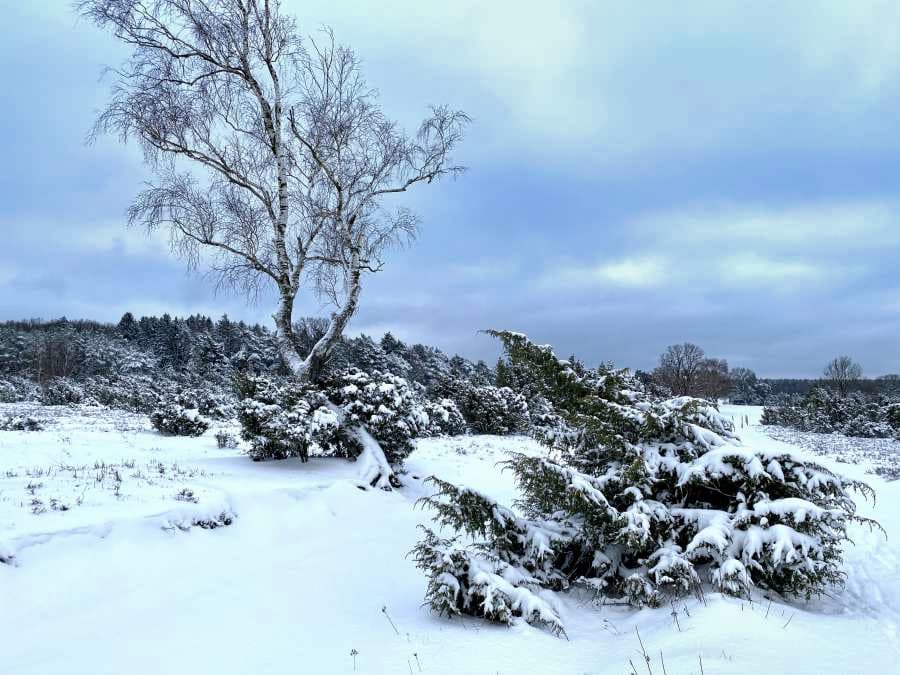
{"points": [[722, 173]]}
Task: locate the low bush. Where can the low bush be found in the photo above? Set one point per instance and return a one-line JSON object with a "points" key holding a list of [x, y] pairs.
{"points": [[824, 411], [444, 418], [290, 420], [648, 500], [10, 393], [210, 404], [133, 393], [225, 440], [61, 391], [386, 405], [17, 423], [173, 419], [495, 410]]}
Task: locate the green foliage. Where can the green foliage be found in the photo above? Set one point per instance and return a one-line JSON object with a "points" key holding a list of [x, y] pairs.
{"points": [[290, 420], [19, 423], [61, 391], [639, 500], [444, 418], [386, 405], [495, 410], [826, 411], [172, 419], [294, 420]]}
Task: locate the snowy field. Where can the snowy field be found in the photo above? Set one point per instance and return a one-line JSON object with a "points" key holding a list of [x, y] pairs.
{"points": [[880, 455], [129, 552]]}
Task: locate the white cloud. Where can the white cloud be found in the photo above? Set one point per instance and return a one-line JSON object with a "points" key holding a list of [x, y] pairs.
{"points": [[691, 270], [636, 79], [859, 225], [85, 238], [753, 270], [645, 272]]}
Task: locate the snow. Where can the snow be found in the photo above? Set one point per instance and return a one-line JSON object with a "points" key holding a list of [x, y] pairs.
{"points": [[131, 578]]}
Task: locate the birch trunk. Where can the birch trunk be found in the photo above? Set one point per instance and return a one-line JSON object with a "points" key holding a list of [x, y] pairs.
{"points": [[375, 470]]}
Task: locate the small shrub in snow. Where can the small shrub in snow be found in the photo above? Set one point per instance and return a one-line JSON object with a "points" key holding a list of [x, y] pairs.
{"points": [[647, 500], [208, 403], [184, 521], [495, 410], [444, 418], [225, 440], [134, 393], [175, 420], [16, 423], [223, 519], [186, 495], [61, 391], [290, 420], [8, 392], [385, 405], [15, 389]]}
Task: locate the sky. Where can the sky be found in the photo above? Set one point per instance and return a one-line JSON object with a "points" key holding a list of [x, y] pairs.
{"points": [[640, 174]]}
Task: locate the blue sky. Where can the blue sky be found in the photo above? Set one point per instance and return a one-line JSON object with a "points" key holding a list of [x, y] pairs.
{"points": [[726, 174]]}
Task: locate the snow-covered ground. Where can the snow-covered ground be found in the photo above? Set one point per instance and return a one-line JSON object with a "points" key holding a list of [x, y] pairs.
{"points": [[117, 565], [880, 455]]}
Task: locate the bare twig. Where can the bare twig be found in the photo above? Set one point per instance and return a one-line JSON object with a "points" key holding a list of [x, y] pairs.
{"points": [[675, 617], [643, 651], [388, 617]]}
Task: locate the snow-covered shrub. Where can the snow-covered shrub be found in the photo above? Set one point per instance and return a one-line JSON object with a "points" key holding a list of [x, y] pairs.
{"points": [[892, 415], [61, 391], [135, 393], [646, 500], [173, 419], [17, 423], [8, 392], [15, 389], [461, 582], [495, 410], [209, 403], [825, 411], [225, 440], [386, 405], [444, 418], [186, 495], [291, 420], [541, 413]]}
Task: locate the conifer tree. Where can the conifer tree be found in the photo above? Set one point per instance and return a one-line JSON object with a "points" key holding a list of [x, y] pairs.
{"points": [[640, 500]]}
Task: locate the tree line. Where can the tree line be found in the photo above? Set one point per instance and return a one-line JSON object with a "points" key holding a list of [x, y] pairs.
{"points": [[685, 370], [166, 352]]}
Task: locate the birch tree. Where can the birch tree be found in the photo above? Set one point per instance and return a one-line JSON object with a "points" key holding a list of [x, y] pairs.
{"points": [[272, 161]]}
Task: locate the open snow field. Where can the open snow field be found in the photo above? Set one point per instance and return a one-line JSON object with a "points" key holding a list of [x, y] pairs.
{"points": [[118, 562]]}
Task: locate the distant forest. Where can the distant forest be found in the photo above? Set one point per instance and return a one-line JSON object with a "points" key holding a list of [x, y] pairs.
{"points": [[108, 362], [133, 363]]}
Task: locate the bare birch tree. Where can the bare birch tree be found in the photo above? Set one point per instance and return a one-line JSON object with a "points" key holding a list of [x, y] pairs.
{"points": [[272, 160]]}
